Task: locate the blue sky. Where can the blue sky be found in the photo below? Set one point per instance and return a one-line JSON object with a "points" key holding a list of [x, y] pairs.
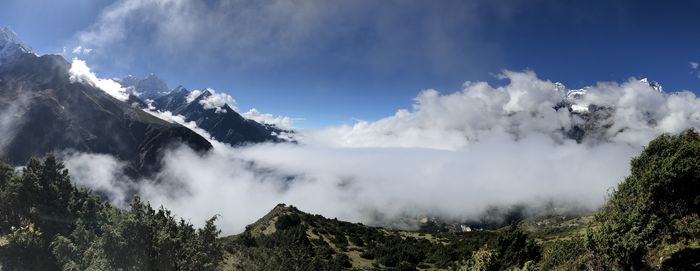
{"points": [[331, 62]]}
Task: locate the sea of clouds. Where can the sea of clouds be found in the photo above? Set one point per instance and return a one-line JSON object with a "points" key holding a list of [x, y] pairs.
{"points": [[451, 155]]}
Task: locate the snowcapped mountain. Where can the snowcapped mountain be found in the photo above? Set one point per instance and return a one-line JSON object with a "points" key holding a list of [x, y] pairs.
{"points": [[148, 88], [591, 120], [575, 97], [216, 117], [11, 46], [42, 110], [210, 110], [653, 84]]}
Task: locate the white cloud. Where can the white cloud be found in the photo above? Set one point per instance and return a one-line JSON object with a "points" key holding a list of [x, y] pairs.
{"points": [[216, 100], [193, 95], [520, 108], [213, 100], [79, 50], [282, 122], [452, 155], [694, 66], [101, 173], [369, 183], [179, 119], [80, 73]]}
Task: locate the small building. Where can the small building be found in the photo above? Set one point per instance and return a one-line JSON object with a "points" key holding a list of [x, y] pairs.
{"points": [[465, 228]]}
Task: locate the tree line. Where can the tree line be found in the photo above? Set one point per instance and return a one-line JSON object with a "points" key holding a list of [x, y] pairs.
{"points": [[50, 224]]}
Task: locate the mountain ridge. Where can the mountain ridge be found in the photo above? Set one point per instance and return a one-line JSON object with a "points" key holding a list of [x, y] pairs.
{"points": [[50, 113], [224, 123]]}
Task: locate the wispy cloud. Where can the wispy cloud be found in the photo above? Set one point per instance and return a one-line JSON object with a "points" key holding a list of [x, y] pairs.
{"points": [[11, 117], [283, 122], [213, 100], [81, 51], [270, 32], [80, 72]]}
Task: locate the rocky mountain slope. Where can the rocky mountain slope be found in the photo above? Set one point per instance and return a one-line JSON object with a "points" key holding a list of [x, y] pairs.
{"points": [[222, 122], [42, 111]]}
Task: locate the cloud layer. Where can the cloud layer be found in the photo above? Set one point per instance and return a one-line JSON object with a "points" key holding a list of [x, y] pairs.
{"points": [[452, 155], [526, 105]]}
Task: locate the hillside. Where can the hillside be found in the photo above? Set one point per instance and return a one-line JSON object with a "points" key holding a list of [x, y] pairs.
{"points": [[287, 237], [650, 222]]}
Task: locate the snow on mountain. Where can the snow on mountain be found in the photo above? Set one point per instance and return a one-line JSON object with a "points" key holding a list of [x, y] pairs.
{"points": [[11, 46], [576, 98], [211, 99], [653, 84], [149, 88], [215, 113]]}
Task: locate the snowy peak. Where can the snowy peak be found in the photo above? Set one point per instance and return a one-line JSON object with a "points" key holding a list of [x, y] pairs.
{"points": [[575, 98], [149, 88], [653, 84], [574, 94], [180, 89], [207, 92], [129, 81], [9, 38], [11, 45]]}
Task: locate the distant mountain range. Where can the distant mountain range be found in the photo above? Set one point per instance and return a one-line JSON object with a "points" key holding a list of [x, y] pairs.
{"points": [[222, 122], [42, 110]]}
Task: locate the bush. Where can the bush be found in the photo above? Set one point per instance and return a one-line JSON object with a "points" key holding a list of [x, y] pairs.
{"points": [[654, 203], [515, 248], [287, 221], [562, 251], [483, 259]]}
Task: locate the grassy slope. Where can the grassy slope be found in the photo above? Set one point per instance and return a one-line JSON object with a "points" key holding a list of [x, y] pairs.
{"points": [[322, 234], [554, 227]]}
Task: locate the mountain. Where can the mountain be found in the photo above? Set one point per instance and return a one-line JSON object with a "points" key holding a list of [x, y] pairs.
{"points": [[11, 46], [148, 88], [42, 110], [592, 121], [289, 239], [222, 122]]}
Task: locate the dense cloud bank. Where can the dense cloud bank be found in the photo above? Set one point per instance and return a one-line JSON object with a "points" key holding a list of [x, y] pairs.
{"points": [[631, 113], [453, 155]]}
